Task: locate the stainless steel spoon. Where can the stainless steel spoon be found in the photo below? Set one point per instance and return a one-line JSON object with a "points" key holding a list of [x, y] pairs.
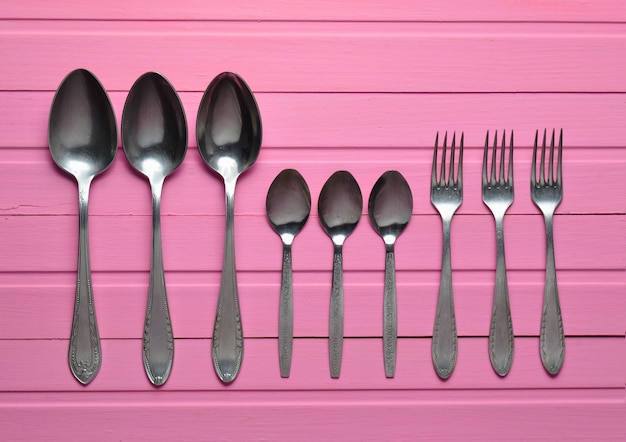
{"points": [[390, 207], [228, 129], [82, 136], [339, 207], [154, 135], [288, 206]]}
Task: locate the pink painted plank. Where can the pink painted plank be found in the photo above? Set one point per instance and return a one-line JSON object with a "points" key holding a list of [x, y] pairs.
{"points": [[592, 303], [377, 120], [190, 416], [583, 242], [309, 10], [573, 415], [593, 182], [589, 363], [321, 56]]}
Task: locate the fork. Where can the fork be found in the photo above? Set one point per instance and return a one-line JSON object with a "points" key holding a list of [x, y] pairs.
{"points": [[547, 194], [498, 195], [446, 194]]}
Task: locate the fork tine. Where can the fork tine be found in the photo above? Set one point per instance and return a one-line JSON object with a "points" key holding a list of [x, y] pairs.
{"points": [[533, 167], [493, 180], [501, 178], [459, 174], [509, 177], [442, 174], [485, 156], [551, 171], [542, 169], [451, 171], [559, 172], [433, 176]]}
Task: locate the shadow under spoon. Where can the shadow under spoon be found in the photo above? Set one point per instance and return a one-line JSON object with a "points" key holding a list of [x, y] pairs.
{"points": [[228, 130], [339, 208], [390, 207], [288, 206], [154, 135], [82, 135]]}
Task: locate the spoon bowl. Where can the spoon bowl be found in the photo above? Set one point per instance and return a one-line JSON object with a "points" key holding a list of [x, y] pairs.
{"points": [[288, 206], [82, 132], [154, 134], [154, 128], [390, 207], [228, 126], [339, 207], [82, 135], [228, 130]]}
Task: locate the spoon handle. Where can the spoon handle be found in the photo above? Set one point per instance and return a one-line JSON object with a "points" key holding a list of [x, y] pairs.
{"points": [[85, 354], [336, 315], [285, 333], [227, 333], [390, 314], [158, 339]]}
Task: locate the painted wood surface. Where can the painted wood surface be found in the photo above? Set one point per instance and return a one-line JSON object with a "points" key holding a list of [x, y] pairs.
{"points": [[361, 86]]}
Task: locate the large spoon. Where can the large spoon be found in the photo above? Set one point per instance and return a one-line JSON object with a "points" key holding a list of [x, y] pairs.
{"points": [[339, 207], [82, 136], [228, 129], [390, 206], [154, 134], [288, 206]]}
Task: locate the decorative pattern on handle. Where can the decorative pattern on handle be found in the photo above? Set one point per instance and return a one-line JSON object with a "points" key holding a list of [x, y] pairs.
{"points": [[85, 354], [390, 315], [501, 337], [228, 333], [444, 351], [336, 315], [285, 332], [552, 336]]}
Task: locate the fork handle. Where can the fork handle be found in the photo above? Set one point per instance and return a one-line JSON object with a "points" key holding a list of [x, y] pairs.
{"points": [[444, 350], [552, 337], [501, 330]]}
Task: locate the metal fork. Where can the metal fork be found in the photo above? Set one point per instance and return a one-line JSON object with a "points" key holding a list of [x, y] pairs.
{"points": [[547, 194], [446, 194], [498, 195]]}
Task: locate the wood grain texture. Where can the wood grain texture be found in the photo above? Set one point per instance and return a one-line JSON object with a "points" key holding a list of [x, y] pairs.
{"points": [[575, 415], [321, 56], [360, 86], [325, 10]]}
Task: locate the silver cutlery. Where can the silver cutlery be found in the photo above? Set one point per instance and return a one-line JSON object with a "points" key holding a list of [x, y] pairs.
{"points": [[288, 206], [339, 207], [154, 135], [228, 130], [82, 136], [390, 207], [446, 194], [498, 194], [547, 193]]}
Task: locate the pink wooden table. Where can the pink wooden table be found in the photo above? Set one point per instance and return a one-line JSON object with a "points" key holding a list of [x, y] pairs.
{"points": [[362, 86]]}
